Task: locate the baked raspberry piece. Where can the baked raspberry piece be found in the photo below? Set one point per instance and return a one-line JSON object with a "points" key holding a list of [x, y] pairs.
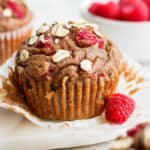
{"points": [[119, 107], [86, 38], [100, 43], [134, 11], [17, 10], [45, 43], [134, 131]]}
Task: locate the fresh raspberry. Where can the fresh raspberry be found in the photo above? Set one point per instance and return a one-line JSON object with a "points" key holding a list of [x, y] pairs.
{"points": [[119, 107], [134, 12], [16, 9], [85, 38], [147, 2], [94, 8], [109, 10], [125, 2], [134, 131], [148, 5], [46, 44]]}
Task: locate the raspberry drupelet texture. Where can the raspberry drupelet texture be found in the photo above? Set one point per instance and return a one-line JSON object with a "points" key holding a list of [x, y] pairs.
{"points": [[119, 107]]}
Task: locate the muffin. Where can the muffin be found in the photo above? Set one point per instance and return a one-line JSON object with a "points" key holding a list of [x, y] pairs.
{"points": [[67, 71], [15, 26]]}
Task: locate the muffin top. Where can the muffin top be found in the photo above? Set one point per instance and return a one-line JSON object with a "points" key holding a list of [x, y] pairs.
{"points": [[13, 14], [75, 50]]}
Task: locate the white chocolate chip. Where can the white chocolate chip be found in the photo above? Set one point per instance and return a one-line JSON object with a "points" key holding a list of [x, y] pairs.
{"points": [[20, 69], [59, 31], [44, 28], [60, 55], [42, 39], [24, 55], [7, 12], [56, 41], [86, 65], [32, 40], [97, 33]]}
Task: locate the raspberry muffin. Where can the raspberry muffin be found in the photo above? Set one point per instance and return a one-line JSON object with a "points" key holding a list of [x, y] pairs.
{"points": [[66, 71], [15, 26]]}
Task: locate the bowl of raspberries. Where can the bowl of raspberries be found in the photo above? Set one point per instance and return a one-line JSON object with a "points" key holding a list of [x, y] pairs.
{"points": [[126, 22]]}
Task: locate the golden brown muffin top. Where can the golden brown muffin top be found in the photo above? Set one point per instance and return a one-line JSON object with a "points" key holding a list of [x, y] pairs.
{"points": [[13, 15], [75, 50]]}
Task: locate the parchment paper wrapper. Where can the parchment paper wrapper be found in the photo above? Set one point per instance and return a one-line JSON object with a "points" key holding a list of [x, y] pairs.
{"points": [[135, 81], [11, 41]]}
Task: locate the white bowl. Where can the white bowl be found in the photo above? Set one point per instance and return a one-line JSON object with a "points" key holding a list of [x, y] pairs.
{"points": [[131, 37]]}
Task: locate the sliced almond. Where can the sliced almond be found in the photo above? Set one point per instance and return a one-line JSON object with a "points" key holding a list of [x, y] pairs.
{"points": [[7, 12], [83, 24], [20, 69], [98, 33], [44, 28], [60, 55], [41, 38], [24, 55], [86, 65], [59, 31], [56, 41], [32, 40]]}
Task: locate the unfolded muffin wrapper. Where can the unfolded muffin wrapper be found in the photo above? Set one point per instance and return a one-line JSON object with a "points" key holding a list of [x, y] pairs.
{"points": [[11, 41], [135, 81]]}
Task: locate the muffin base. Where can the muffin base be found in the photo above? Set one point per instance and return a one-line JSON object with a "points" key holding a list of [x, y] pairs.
{"points": [[79, 100]]}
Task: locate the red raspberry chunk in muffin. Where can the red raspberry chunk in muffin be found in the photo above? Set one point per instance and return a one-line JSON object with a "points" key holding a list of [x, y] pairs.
{"points": [[86, 38]]}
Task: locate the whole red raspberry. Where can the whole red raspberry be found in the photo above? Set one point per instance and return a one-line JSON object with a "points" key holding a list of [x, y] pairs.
{"points": [[16, 9], [107, 10], [147, 2], [125, 2], [94, 7], [134, 11], [119, 107], [85, 38]]}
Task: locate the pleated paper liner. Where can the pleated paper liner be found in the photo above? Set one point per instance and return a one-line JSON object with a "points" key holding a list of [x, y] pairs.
{"points": [[11, 41], [131, 82], [82, 99]]}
